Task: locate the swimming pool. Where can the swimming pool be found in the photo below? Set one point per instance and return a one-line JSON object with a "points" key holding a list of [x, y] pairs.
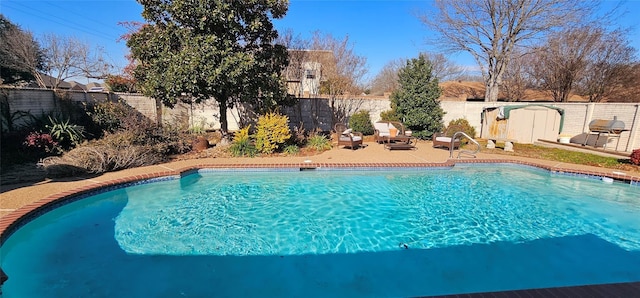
{"points": [[332, 233]]}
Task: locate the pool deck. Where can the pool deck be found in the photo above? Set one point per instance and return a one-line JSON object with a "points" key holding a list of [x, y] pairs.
{"points": [[17, 201]]}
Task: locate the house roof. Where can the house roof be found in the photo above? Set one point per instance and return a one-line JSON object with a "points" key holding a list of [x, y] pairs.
{"points": [[77, 86], [49, 82]]}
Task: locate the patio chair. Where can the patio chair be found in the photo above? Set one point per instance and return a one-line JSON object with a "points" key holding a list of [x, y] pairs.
{"points": [[348, 137], [443, 139], [386, 131]]}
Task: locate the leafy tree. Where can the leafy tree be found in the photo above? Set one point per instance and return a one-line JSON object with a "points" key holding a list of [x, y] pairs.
{"points": [[416, 100], [195, 50], [21, 58], [120, 83]]}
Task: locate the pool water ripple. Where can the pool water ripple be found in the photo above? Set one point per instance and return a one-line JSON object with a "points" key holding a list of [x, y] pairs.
{"points": [[321, 213], [331, 234]]}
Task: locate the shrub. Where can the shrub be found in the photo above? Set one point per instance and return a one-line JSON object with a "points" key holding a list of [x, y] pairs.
{"points": [[319, 143], [41, 143], [292, 150], [361, 122], [465, 127], [299, 135], [97, 159], [241, 144], [272, 132], [114, 116], [389, 115], [65, 133], [163, 141], [635, 157]]}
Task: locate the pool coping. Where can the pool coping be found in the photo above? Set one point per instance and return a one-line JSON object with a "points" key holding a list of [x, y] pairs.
{"points": [[21, 216]]}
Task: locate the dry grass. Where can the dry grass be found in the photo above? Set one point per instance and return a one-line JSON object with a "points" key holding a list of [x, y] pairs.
{"points": [[100, 159]]}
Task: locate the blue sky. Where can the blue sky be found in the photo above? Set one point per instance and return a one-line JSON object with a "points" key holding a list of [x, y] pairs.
{"points": [[381, 30]]}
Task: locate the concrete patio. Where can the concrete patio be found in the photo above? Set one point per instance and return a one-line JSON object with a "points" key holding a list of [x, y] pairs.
{"points": [[18, 199]]}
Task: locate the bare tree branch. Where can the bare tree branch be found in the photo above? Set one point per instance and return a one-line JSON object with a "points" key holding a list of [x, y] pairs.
{"points": [[490, 29], [587, 59], [68, 57]]}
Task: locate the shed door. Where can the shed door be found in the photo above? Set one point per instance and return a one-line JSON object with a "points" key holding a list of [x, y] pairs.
{"points": [[521, 125], [539, 127], [546, 125], [532, 123]]}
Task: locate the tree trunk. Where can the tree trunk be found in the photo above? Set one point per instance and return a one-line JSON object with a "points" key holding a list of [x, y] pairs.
{"points": [[491, 93], [224, 126], [493, 78]]}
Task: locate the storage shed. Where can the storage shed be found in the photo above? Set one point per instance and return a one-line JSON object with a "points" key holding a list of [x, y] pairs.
{"points": [[522, 123]]}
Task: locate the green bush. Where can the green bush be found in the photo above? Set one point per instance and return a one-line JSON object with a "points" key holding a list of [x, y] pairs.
{"points": [[389, 115], [319, 143], [465, 127], [241, 144], [292, 149], [361, 122], [272, 132]]}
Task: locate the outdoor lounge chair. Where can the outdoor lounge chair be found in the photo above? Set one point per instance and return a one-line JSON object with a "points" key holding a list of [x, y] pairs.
{"points": [[387, 131], [443, 139], [347, 137]]}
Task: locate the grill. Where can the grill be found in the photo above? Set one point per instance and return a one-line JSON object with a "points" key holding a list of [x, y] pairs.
{"points": [[608, 128], [614, 126]]}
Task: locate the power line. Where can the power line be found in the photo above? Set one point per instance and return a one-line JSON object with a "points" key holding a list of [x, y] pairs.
{"points": [[77, 14], [60, 21]]}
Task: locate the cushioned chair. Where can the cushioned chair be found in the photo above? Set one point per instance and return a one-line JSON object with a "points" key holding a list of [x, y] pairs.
{"points": [[347, 137], [443, 139], [386, 131]]}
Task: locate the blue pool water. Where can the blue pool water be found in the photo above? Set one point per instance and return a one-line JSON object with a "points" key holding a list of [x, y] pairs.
{"points": [[387, 233]]}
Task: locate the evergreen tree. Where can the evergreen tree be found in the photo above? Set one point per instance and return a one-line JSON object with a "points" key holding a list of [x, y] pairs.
{"points": [[191, 51], [416, 100]]}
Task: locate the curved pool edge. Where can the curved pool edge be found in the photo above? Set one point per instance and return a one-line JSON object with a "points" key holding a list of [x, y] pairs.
{"points": [[21, 216]]}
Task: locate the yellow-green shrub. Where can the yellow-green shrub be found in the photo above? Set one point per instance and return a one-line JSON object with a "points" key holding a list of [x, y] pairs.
{"points": [[272, 132], [241, 144]]}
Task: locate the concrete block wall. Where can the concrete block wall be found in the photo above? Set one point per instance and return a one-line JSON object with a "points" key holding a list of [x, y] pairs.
{"points": [[627, 113], [576, 119], [147, 106], [316, 112], [34, 101]]}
